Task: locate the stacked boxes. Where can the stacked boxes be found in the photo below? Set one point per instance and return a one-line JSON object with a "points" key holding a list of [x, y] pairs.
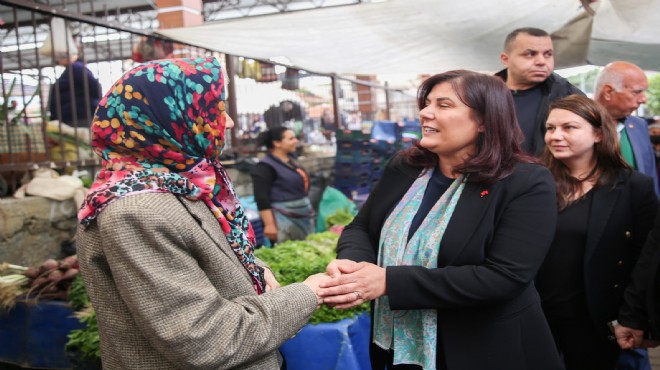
{"points": [[361, 157], [258, 228], [252, 214], [354, 163], [410, 132], [385, 142]]}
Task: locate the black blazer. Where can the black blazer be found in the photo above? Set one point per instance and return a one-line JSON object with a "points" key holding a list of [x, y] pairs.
{"points": [[642, 295], [489, 315], [620, 220]]}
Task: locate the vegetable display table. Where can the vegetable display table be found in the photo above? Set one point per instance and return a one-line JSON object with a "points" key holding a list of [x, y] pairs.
{"points": [[34, 334], [343, 345]]}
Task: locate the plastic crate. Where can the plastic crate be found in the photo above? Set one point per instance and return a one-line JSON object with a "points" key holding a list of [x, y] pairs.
{"points": [[376, 175], [349, 169], [385, 131], [354, 156], [258, 228], [330, 346], [412, 129], [33, 334], [353, 190], [384, 148], [343, 145], [352, 135], [352, 178]]}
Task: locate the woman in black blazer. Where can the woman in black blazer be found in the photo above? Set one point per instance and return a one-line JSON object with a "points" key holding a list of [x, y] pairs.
{"points": [[606, 210], [449, 241]]}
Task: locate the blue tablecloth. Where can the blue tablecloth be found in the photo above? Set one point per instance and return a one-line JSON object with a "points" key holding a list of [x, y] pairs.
{"points": [[343, 345], [34, 335]]}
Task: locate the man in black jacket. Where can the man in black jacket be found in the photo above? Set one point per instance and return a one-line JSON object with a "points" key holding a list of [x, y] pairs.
{"points": [[639, 316], [529, 60]]}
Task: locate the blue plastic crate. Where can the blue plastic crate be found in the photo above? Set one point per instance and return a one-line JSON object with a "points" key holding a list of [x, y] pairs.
{"points": [[384, 148], [330, 346], [407, 143], [34, 334], [352, 190], [352, 179], [343, 145], [376, 175], [385, 131], [258, 227], [354, 156], [412, 129], [349, 169]]}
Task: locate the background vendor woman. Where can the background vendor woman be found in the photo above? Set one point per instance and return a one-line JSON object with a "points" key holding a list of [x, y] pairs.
{"points": [[281, 186]]}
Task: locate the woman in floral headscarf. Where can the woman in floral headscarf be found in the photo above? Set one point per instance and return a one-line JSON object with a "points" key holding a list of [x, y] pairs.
{"points": [[165, 248]]}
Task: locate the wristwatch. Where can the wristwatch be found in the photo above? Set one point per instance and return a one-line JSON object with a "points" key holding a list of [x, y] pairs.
{"points": [[612, 324]]}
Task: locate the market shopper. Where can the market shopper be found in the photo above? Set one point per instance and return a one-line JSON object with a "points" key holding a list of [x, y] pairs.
{"points": [[281, 187], [606, 211], [75, 94], [165, 248], [450, 239]]}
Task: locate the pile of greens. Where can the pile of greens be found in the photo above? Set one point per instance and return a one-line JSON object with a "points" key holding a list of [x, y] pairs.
{"points": [[85, 340], [293, 261]]}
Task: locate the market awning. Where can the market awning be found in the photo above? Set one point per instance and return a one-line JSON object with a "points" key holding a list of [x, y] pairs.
{"points": [[428, 36]]}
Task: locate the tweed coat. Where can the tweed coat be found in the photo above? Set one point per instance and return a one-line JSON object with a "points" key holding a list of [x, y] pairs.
{"points": [[169, 292]]}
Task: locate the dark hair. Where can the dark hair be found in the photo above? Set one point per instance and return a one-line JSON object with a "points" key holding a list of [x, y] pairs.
{"points": [[607, 152], [498, 147], [536, 32], [272, 134]]}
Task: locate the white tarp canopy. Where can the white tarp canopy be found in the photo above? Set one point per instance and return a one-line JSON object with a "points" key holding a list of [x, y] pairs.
{"points": [[430, 36]]}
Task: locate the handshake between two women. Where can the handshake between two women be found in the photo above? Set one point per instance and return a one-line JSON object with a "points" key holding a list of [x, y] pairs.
{"points": [[347, 284]]}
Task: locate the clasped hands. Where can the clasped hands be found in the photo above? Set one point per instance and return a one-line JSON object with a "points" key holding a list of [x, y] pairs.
{"points": [[348, 283], [629, 338]]}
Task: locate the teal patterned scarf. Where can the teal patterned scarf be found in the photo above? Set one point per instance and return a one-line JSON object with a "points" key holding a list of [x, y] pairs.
{"points": [[412, 334]]}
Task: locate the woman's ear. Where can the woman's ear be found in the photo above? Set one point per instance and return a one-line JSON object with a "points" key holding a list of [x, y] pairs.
{"points": [[598, 135]]}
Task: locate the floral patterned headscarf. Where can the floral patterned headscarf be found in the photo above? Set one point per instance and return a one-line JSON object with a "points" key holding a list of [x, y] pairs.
{"points": [[161, 129]]}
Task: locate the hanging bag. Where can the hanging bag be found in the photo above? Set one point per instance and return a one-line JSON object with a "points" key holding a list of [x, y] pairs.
{"points": [[59, 41], [24, 133]]}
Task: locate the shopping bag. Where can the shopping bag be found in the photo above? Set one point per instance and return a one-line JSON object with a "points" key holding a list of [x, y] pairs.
{"points": [[59, 41]]}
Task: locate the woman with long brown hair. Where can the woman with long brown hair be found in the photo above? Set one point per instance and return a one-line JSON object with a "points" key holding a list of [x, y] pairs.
{"points": [[606, 211]]}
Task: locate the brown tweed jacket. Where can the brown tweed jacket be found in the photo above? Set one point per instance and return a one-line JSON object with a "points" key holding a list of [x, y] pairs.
{"points": [[169, 293]]}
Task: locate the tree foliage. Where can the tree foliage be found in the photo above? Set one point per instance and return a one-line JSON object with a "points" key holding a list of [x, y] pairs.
{"points": [[653, 95], [585, 81]]}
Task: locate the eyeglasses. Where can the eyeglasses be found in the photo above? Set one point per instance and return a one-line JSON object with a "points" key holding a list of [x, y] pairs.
{"points": [[634, 92]]}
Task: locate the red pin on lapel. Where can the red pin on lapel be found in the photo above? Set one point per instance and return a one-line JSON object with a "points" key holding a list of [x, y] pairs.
{"points": [[483, 193]]}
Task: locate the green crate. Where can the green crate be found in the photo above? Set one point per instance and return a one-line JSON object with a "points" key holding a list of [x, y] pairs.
{"points": [[352, 135]]}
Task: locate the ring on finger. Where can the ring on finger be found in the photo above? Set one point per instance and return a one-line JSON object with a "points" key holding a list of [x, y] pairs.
{"points": [[358, 294]]}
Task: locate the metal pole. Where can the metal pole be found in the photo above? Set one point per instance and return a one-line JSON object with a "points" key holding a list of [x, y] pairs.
{"points": [[387, 101], [231, 97], [335, 101]]}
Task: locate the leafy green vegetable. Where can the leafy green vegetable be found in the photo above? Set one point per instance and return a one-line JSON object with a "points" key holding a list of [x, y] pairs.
{"points": [[294, 261], [342, 217], [86, 340], [77, 294]]}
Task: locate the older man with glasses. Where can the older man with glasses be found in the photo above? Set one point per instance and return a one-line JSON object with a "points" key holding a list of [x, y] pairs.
{"points": [[621, 88]]}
